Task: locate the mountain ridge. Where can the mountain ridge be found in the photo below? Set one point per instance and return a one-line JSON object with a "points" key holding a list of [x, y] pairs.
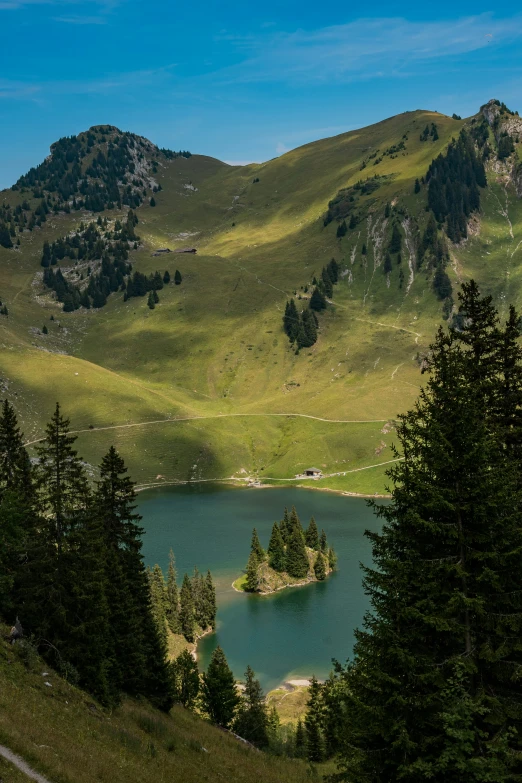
{"points": [[215, 344]]}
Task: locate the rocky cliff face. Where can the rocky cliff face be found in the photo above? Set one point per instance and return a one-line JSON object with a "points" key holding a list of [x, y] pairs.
{"points": [[516, 178], [500, 119]]}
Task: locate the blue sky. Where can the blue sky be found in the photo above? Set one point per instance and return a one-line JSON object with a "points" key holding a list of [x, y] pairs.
{"points": [[238, 81]]}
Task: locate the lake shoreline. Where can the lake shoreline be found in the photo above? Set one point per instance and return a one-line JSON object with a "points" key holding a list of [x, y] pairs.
{"points": [[241, 484], [275, 590]]}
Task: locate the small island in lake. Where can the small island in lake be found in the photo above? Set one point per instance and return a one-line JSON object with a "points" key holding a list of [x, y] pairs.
{"points": [[294, 557]]}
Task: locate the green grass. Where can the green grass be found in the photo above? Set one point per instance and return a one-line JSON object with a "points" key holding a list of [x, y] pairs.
{"points": [[240, 583], [214, 347], [62, 733], [290, 702]]}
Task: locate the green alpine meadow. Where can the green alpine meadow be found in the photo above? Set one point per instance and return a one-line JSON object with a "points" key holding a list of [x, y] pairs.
{"points": [[261, 452]]}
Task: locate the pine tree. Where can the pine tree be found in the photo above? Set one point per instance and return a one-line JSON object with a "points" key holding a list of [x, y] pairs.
{"points": [[276, 550], [15, 467], [396, 240], [291, 320], [210, 594], [320, 567], [449, 555], [417, 186], [199, 596], [315, 750], [166, 277], [152, 201], [150, 301], [341, 230], [332, 559], [309, 329], [256, 548], [326, 284], [285, 526], [300, 739], [13, 513], [219, 696], [251, 721], [172, 611], [140, 665], [323, 544], [187, 618], [186, 679], [61, 479], [364, 249], [252, 578], [387, 264], [158, 595], [177, 277], [297, 564], [317, 300], [295, 522], [312, 535]]}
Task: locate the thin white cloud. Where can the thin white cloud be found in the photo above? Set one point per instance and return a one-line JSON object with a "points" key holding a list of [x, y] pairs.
{"points": [[365, 48], [81, 19], [13, 5], [281, 148], [102, 85]]}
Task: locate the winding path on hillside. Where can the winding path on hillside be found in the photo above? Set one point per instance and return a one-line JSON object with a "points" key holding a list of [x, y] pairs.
{"points": [[217, 416], [18, 762]]}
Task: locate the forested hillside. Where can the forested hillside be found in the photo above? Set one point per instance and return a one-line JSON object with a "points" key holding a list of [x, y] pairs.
{"points": [[297, 331]]}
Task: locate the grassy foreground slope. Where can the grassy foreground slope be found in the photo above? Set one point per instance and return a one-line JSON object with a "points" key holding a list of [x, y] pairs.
{"points": [[63, 734], [206, 385]]}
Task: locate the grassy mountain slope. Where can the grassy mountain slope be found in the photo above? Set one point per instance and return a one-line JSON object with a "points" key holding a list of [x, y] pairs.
{"points": [[214, 348], [63, 734]]}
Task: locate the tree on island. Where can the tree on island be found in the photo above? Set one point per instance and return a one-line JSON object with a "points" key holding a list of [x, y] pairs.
{"points": [[323, 543], [256, 548], [219, 695], [285, 526], [312, 535], [332, 558], [251, 721], [297, 564], [252, 578], [276, 550], [186, 679], [320, 567]]}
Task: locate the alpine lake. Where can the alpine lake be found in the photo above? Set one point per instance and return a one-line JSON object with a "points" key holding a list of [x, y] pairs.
{"points": [[291, 634]]}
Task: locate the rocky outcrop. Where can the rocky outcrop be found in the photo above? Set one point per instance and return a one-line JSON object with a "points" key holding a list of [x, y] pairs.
{"points": [[516, 178], [500, 120]]}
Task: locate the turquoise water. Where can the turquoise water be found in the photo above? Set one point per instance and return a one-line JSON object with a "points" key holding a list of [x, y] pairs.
{"points": [[293, 633]]}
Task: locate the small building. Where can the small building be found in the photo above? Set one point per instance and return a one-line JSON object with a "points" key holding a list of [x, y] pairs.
{"points": [[313, 472], [186, 250], [162, 250]]}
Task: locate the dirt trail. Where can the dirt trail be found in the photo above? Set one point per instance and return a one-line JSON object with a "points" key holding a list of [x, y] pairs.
{"points": [[18, 761], [217, 416]]}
